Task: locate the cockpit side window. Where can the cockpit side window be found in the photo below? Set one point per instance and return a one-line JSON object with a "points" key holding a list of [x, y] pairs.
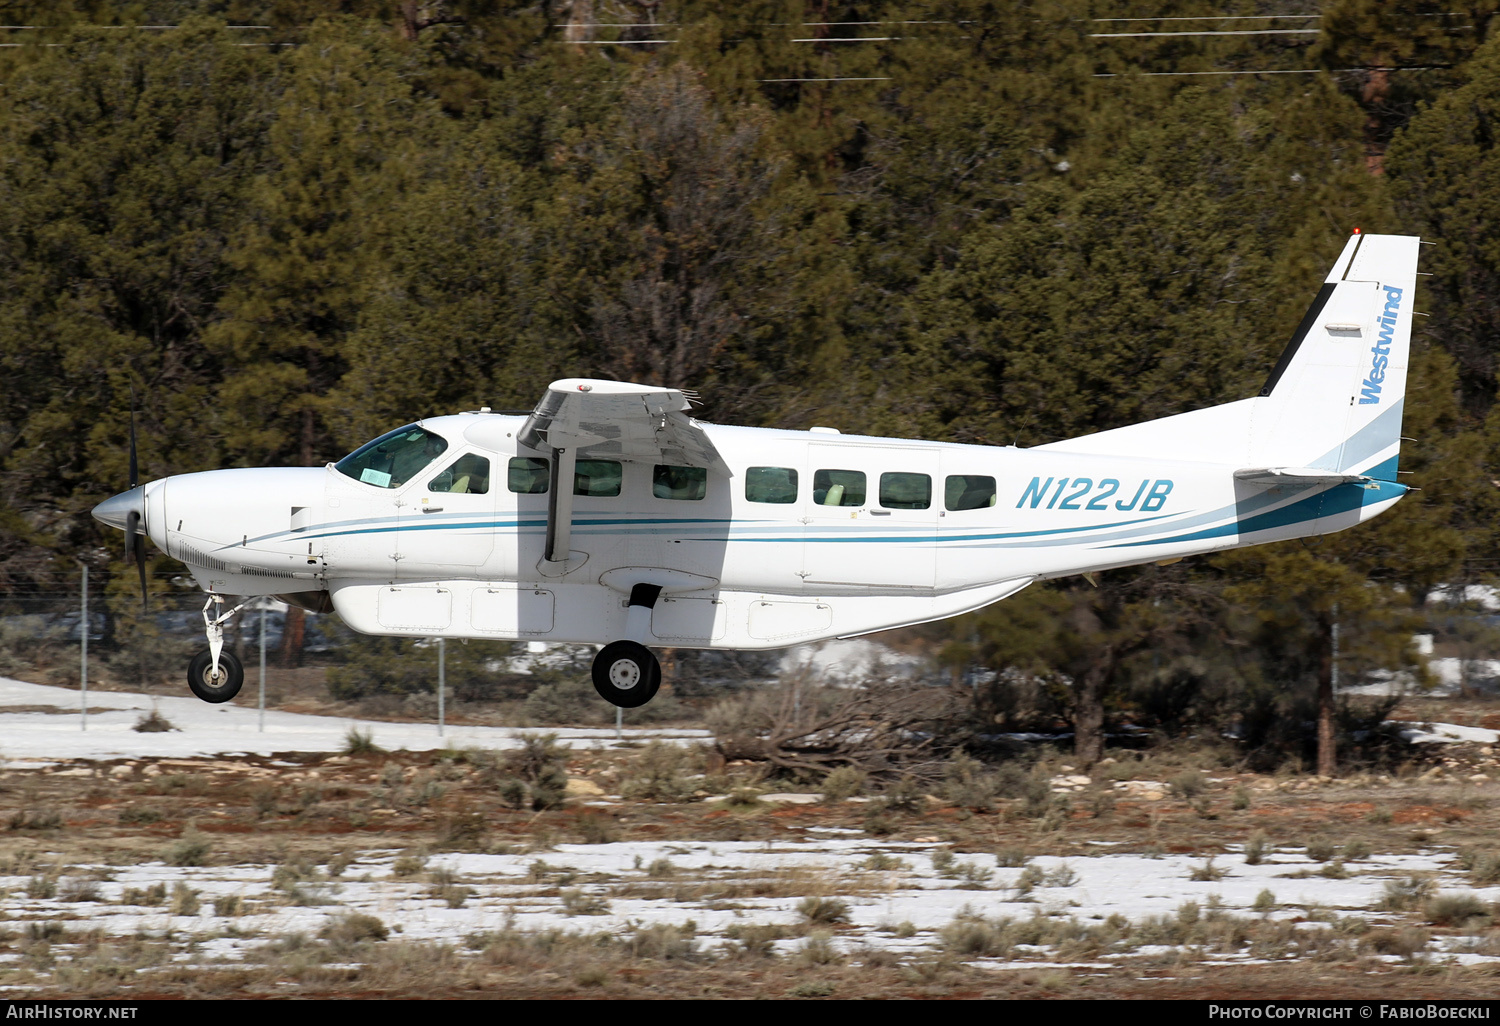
{"points": [[469, 475], [393, 459]]}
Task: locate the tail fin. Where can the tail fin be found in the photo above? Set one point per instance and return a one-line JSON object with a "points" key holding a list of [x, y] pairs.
{"points": [[1334, 400]]}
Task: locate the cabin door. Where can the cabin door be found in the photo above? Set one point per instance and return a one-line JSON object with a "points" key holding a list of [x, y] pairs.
{"points": [[446, 518]]}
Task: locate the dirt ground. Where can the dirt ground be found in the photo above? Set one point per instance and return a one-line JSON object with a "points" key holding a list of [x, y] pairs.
{"points": [[310, 811]]}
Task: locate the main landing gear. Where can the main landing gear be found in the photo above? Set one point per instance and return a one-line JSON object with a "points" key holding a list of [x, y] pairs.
{"points": [[626, 674], [216, 675]]}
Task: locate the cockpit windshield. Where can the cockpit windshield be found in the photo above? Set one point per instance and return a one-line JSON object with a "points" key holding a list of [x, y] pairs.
{"points": [[393, 459]]}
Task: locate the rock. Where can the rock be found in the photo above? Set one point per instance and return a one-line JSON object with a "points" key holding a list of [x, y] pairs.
{"points": [[577, 787], [1146, 790], [792, 798]]}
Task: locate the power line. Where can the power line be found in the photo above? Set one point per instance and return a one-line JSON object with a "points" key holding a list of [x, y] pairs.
{"points": [[1229, 32], [1217, 17], [1306, 71], [68, 28]]}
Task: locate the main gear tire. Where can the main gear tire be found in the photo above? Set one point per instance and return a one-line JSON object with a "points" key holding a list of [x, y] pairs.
{"points": [[626, 674]]}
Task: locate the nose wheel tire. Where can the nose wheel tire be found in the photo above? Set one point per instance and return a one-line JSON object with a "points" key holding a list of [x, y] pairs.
{"points": [[215, 688], [626, 674]]}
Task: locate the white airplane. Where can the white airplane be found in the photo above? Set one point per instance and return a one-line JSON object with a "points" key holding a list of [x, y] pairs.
{"points": [[610, 516]]}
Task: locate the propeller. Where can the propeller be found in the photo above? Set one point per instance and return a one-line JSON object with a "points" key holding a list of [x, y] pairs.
{"points": [[135, 539], [127, 512]]}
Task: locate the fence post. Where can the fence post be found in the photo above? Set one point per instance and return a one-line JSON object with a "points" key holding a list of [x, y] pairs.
{"points": [[83, 670]]}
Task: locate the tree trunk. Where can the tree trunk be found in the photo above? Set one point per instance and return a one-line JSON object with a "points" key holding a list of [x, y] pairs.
{"points": [[1372, 98], [1088, 706], [1327, 739], [580, 27], [291, 637], [1088, 718]]}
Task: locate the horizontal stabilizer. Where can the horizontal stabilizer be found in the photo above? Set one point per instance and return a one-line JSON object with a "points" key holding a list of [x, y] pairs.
{"points": [[1296, 477]]}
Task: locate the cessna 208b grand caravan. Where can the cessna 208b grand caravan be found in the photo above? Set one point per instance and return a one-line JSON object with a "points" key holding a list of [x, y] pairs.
{"points": [[610, 516]]}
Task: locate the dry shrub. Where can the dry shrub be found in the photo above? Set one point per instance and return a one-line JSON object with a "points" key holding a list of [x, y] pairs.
{"points": [[1403, 942], [819, 949], [1408, 893], [661, 772], [663, 942], [844, 782], [185, 900], [154, 723], [192, 849], [1482, 865], [1456, 909], [884, 729], [29, 818], [823, 911], [464, 829], [598, 828], [75, 889], [1257, 848], [541, 766], [156, 894], [753, 940], [353, 929]]}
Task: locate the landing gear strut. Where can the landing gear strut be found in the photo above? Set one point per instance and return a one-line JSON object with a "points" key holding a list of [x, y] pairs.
{"points": [[214, 674], [626, 674]]}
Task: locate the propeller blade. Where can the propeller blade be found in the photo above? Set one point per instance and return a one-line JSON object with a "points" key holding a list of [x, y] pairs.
{"points": [[135, 472], [140, 566], [135, 550]]}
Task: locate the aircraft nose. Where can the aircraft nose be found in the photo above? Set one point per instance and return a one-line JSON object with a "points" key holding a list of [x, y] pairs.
{"points": [[116, 509]]}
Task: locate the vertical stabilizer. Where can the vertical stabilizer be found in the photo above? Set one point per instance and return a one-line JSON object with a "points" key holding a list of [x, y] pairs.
{"points": [[1335, 398]]}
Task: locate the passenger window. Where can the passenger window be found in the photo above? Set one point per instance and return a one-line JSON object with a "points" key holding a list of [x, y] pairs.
{"points": [[679, 482], [469, 475], [839, 488], [528, 475], [597, 477], [905, 491], [968, 491], [771, 484]]}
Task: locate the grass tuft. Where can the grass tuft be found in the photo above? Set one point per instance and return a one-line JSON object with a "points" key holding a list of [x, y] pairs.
{"points": [[823, 911], [192, 849], [153, 723], [361, 742]]}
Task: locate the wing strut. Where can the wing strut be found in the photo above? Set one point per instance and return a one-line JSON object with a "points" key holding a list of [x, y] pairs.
{"points": [[560, 505]]}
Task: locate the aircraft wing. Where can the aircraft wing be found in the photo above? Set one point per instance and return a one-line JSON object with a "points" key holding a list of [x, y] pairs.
{"points": [[622, 421], [1296, 477]]}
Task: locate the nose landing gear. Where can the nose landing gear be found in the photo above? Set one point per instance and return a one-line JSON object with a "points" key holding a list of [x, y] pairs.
{"points": [[626, 674], [215, 675]]}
